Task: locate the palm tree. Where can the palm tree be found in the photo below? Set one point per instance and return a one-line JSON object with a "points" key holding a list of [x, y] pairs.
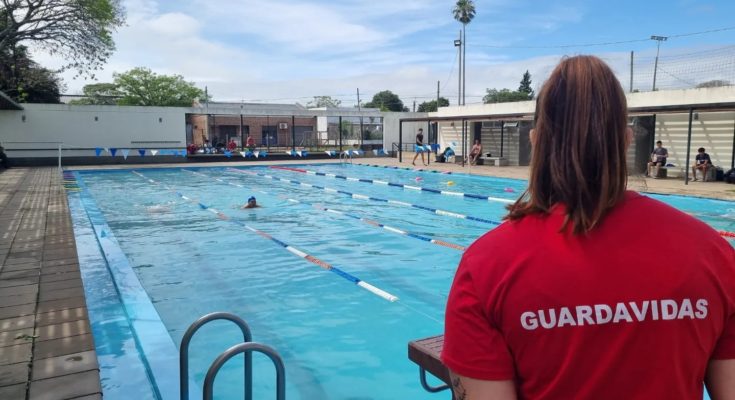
{"points": [[464, 12]]}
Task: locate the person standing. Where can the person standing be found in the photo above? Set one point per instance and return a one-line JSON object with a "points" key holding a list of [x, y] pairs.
{"points": [[561, 302], [419, 147]]}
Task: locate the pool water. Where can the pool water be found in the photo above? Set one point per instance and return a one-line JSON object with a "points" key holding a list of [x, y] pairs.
{"points": [[337, 340]]}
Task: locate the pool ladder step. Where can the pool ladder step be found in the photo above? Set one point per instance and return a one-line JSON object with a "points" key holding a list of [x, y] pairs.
{"points": [[247, 347]]}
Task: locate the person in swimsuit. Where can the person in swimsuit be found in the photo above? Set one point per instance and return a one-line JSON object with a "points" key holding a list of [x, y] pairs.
{"points": [[419, 142]]}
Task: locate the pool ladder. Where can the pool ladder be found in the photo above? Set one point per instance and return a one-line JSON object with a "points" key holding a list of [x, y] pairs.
{"points": [[247, 347]]}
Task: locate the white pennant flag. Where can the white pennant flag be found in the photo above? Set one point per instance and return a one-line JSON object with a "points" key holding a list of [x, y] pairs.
{"points": [[154, 152], [125, 153], [257, 154], [107, 149]]}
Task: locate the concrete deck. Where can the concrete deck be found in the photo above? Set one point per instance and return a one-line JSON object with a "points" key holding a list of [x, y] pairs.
{"points": [[46, 347]]}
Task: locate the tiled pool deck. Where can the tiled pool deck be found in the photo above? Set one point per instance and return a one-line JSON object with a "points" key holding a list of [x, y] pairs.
{"points": [[46, 347]]}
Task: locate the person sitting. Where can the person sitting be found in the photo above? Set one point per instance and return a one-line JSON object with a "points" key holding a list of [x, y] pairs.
{"points": [[231, 145], [658, 157], [191, 148], [252, 203], [207, 147], [250, 143], [475, 152], [4, 158], [702, 162], [444, 156]]}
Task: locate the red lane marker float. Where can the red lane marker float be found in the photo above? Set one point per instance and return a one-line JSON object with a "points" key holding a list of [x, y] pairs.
{"points": [[303, 171]]}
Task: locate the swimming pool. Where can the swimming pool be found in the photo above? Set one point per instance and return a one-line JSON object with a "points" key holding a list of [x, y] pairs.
{"points": [[161, 247]]}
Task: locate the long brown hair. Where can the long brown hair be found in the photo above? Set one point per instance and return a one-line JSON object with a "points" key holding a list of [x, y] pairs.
{"points": [[578, 158]]}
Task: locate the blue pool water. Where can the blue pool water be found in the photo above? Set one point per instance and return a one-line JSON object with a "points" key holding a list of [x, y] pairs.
{"points": [[147, 253]]}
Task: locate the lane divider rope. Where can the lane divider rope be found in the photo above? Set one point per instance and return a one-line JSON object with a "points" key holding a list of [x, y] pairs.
{"points": [[399, 185], [407, 169], [353, 216], [365, 197], [293, 250]]}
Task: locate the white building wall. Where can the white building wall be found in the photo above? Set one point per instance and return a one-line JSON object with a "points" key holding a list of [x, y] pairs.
{"points": [[391, 128], [714, 131], [82, 128]]}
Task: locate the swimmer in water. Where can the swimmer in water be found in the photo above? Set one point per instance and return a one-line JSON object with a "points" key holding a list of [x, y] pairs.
{"points": [[252, 203]]}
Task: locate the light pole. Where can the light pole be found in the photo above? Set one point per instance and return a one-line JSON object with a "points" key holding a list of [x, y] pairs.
{"points": [[658, 39], [458, 45]]}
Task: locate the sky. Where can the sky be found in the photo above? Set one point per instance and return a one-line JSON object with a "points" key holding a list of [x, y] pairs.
{"points": [[286, 51]]}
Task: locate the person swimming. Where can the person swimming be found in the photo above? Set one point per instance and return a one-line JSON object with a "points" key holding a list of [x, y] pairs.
{"points": [[252, 203]]}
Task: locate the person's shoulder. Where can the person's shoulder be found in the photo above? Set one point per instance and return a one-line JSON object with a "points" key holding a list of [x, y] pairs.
{"points": [[668, 217]]}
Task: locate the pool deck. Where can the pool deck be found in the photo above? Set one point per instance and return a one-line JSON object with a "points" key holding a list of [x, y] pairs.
{"points": [[46, 347]]}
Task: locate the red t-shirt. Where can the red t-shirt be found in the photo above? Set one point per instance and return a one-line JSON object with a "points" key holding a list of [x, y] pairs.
{"points": [[635, 309]]}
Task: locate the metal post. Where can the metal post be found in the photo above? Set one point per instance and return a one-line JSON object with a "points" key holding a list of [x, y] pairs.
{"points": [[359, 109], [242, 137], [502, 134], [458, 44], [732, 162], [689, 146], [339, 129], [267, 132], [631, 72], [400, 141], [464, 144], [428, 136], [464, 65], [59, 157], [658, 39], [437, 96], [293, 133]]}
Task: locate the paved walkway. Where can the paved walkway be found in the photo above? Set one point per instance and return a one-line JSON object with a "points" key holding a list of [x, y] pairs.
{"points": [[46, 346]]}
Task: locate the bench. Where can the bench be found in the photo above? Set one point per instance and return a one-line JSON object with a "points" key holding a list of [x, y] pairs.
{"points": [[496, 161], [425, 353]]}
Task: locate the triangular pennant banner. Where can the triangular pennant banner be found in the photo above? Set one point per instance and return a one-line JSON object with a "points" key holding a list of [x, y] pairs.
{"points": [[125, 153], [141, 152], [182, 153], [154, 152], [107, 150], [97, 151], [242, 153], [113, 151], [228, 153], [257, 154]]}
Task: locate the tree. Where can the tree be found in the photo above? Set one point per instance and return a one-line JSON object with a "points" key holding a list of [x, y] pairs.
{"points": [[99, 93], [78, 30], [430, 106], [386, 101], [523, 93], [503, 96], [714, 83], [525, 86], [464, 12], [143, 87], [24, 80], [323, 101]]}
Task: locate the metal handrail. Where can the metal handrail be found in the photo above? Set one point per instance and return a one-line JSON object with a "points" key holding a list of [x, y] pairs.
{"points": [[426, 386], [184, 351], [247, 348]]}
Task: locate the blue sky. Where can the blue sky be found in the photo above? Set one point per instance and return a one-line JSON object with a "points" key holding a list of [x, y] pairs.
{"points": [[289, 50]]}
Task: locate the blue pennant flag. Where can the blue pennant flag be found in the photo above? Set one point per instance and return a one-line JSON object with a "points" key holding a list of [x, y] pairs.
{"points": [[141, 152], [228, 153], [113, 151], [103, 233], [98, 151]]}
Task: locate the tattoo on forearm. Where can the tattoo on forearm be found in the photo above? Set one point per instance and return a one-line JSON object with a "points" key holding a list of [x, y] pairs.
{"points": [[459, 391]]}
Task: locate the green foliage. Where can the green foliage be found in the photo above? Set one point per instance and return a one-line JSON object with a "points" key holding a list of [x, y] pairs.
{"points": [[143, 87], [464, 11], [80, 31], [504, 96], [323, 101], [714, 83], [430, 106], [24, 80], [386, 101], [523, 93], [99, 93], [525, 86]]}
